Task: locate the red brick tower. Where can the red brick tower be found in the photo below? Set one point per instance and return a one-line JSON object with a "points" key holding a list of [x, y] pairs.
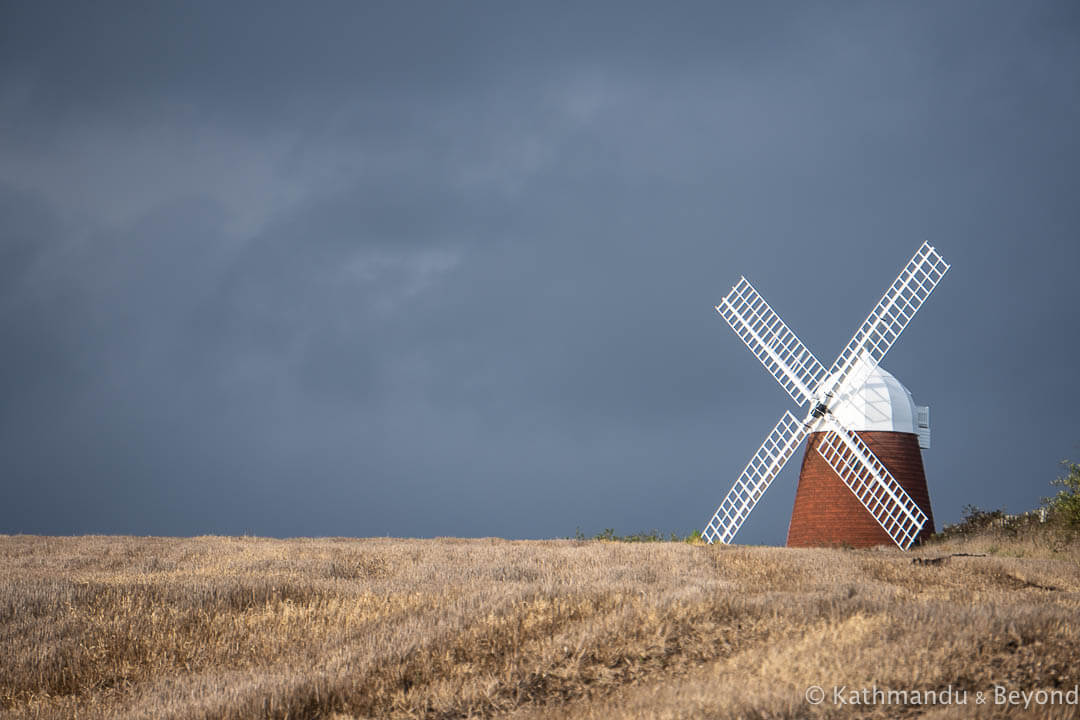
{"points": [[827, 513]]}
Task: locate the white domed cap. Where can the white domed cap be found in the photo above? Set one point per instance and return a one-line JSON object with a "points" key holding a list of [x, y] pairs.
{"points": [[882, 403]]}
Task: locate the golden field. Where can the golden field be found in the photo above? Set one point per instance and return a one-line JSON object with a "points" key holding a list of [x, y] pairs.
{"points": [[239, 627]]}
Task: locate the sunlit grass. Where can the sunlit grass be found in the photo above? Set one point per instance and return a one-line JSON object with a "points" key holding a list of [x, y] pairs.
{"points": [[249, 627]]}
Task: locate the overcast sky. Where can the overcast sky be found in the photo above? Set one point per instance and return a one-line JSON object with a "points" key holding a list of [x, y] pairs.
{"points": [[449, 268]]}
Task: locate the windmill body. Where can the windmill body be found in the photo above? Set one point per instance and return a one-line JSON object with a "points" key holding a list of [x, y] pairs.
{"points": [[884, 415], [862, 481]]}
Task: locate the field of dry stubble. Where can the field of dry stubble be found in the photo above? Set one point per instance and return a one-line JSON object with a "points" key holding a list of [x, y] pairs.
{"points": [[229, 627]]}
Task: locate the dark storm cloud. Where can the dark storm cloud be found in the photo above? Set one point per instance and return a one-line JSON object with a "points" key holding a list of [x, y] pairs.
{"points": [[241, 58], [436, 269]]}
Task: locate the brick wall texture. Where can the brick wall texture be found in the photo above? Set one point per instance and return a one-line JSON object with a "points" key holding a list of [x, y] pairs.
{"points": [[826, 513]]}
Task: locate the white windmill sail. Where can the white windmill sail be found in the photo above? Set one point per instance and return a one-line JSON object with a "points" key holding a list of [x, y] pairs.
{"points": [[887, 320], [872, 483], [766, 464], [792, 364], [772, 341]]}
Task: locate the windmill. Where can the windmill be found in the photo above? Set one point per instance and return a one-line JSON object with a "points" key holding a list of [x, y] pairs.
{"points": [[862, 423]]}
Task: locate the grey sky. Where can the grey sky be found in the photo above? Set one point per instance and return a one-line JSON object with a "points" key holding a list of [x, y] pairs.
{"points": [[450, 268]]}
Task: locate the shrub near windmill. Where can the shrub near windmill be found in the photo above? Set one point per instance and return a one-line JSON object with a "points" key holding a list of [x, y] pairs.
{"points": [[862, 481]]}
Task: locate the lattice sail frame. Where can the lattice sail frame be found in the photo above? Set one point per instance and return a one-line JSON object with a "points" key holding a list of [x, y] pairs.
{"points": [[792, 364], [755, 479], [872, 483], [893, 312], [771, 341]]}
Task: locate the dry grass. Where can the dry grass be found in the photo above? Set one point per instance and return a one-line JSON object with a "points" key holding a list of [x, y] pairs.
{"points": [[252, 628]]}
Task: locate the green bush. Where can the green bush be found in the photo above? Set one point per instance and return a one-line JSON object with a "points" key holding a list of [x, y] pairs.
{"points": [[643, 536], [1065, 506], [976, 520], [981, 522]]}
